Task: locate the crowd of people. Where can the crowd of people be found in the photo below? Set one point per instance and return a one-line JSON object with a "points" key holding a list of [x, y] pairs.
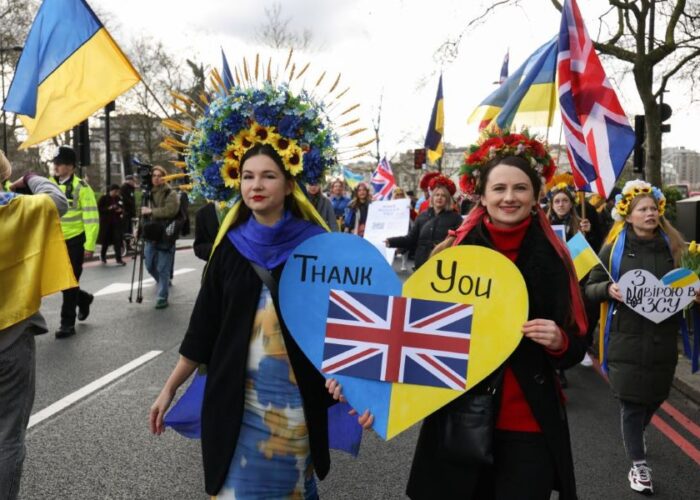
{"points": [[261, 386]]}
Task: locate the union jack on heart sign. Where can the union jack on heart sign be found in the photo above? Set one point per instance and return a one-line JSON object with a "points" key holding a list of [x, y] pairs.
{"points": [[397, 339]]}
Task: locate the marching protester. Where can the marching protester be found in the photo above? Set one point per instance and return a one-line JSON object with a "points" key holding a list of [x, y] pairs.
{"points": [[423, 202], [562, 211], [127, 192], [356, 212], [431, 227], [322, 205], [111, 209], [639, 354], [160, 233], [206, 225], [264, 412], [339, 200], [80, 226], [30, 236], [531, 446]]}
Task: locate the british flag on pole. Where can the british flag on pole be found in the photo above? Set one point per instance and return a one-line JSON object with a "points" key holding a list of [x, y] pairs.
{"points": [[397, 339], [599, 137], [383, 181]]}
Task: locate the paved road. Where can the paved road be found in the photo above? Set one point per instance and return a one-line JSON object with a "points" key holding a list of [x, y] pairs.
{"points": [[100, 446]]}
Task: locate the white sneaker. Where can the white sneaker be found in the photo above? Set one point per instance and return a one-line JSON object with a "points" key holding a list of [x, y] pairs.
{"points": [[640, 479], [587, 361]]}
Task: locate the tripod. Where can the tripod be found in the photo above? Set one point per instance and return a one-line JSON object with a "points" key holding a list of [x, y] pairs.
{"points": [[139, 247]]}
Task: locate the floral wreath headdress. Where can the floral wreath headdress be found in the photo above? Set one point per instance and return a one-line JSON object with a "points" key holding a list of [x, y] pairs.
{"points": [[631, 190], [259, 109], [503, 143], [441, 180]]}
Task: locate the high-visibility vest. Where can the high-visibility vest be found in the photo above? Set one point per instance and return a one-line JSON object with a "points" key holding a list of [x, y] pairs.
{"points": [[82, 215]]}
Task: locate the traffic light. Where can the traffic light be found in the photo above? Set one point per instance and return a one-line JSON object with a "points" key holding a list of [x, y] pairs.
{"points": [[418, 158], [666, 112], [638, 155]]}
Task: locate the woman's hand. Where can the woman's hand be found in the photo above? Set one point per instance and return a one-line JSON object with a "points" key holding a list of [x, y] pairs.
{"points": [[585, 225], [158, 409], [336, 390], [614, 292], [545, 332]]}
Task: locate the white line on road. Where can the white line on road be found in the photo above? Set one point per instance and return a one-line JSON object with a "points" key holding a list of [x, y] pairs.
{"points": [[123, 287], [64, 403]]}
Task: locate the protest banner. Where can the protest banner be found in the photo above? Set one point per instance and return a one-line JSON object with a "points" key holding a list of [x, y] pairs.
{"points": [[386, 219]]}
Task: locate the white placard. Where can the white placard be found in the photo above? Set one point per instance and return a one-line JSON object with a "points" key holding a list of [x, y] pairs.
{"points": [[657, 299], [386, 219], [560, 231]]}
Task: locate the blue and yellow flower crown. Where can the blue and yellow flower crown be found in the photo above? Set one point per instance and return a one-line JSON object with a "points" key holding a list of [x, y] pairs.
{"points": [[631, 190], [296, 124]]}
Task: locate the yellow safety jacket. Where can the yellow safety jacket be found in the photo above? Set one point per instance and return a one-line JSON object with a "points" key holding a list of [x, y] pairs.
{"points": [[82, 216]]}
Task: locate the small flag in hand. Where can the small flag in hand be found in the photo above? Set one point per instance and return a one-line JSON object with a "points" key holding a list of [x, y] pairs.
{"points": [[582, 254]]}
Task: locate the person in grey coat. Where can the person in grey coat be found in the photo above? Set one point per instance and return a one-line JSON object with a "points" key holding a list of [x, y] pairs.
{"points": [[322, 205], [641, 355], [17, 349]]}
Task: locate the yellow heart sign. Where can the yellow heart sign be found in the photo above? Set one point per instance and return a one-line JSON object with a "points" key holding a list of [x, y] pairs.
{"points": [[490, 282]]}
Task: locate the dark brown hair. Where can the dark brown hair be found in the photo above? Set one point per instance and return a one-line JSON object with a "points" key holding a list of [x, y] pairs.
{"points": [[512, 161]]}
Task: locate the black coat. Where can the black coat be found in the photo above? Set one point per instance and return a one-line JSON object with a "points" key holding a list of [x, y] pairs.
{"points": [[547, 284], [219, 336], [642, 355], [206, 227], [428, 230]]}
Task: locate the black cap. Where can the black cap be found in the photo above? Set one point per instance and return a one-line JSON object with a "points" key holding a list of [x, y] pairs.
{"points": [[113, 187], [65, 156]]}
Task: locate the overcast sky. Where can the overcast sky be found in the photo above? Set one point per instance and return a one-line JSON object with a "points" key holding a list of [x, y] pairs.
{"points": [[388, 48]]}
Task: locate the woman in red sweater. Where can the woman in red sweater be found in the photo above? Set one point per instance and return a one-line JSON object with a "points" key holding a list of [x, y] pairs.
{"points": [[531, 447]]}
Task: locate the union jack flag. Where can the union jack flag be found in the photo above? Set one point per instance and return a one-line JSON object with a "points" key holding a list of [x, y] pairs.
{"points": [[599, 137], [397, 339], [383, 181]]}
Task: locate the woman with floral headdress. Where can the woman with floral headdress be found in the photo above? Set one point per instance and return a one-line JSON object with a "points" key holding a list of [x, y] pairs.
{"points": [[531, 447], [639, 355], [431, 227], [264, 413]]}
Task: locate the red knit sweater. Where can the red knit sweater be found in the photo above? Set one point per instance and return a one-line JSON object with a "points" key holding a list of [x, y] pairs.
{"points": [[515, 413]]}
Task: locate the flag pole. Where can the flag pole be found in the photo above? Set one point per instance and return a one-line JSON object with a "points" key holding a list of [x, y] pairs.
{"points": [[155, 98]]}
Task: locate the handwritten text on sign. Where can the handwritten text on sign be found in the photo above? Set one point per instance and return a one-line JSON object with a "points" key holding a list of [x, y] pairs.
{"points": [[657, 299]]}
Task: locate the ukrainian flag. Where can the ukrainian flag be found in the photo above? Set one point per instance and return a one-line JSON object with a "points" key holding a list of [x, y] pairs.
{"points": [[527, 97], [678, 278], [433, 139], [70, 67], [352, 179], [582, 254]]}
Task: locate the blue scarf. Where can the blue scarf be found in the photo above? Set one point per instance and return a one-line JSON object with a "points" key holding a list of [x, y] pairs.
{"points": [[270, 246]]}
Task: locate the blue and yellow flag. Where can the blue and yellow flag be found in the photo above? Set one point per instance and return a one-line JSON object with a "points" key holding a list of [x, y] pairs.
{"points": [[582, 254], [352, 179], [226, 74], [433, 139], [527, 97], [70, 67]]}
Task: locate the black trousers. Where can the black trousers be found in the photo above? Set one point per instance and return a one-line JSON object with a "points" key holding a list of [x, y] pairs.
{"points": [[113, 235], [74, 297]]}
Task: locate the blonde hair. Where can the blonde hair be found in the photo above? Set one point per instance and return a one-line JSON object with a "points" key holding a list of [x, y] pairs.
{"points": [[5, 167], [450, 201], [675, 239]]}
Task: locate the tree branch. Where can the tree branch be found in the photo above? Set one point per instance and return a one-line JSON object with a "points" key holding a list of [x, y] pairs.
{"points": [[676, 69]]}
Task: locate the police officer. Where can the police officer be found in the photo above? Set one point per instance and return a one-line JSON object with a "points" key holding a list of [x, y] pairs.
{"points": [[80, 225]]}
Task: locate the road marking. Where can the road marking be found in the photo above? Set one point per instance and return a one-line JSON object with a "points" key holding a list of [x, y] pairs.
{"points": [[665, 429], [64, 403], [124, 287]]}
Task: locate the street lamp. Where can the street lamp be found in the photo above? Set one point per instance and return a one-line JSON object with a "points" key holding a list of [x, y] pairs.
{"points": [[2, 77]]}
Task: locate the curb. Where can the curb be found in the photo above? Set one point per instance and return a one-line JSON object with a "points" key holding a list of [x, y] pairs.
{"points": [[186, 244], [686, 382]]}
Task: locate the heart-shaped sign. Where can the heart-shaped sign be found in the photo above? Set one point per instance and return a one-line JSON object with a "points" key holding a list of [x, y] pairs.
{"points": [[657, 299], [471, 275]]}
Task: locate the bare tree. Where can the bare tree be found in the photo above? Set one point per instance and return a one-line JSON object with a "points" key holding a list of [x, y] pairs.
{"points": [[277, 34], [673, 53]]}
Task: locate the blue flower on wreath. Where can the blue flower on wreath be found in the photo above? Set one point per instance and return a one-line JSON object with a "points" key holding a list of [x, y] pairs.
{"points": [[313, 164], [216, 141], [234, 122], [288, 126], [212, 174], [266, 114]]}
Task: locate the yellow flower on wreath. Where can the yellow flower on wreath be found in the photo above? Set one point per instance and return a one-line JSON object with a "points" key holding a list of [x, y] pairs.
{"points": [[261, 134], [244, 140], [231, 174], [293, 160]]}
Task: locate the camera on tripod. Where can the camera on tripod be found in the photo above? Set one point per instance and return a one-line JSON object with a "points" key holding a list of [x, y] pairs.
{"points": [[144, 170]]}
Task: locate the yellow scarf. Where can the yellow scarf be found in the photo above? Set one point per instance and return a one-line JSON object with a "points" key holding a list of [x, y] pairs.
{"points": [[34, 259]]}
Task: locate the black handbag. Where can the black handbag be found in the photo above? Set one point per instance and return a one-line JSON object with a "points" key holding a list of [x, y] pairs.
{"points": [[465, 426]]}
